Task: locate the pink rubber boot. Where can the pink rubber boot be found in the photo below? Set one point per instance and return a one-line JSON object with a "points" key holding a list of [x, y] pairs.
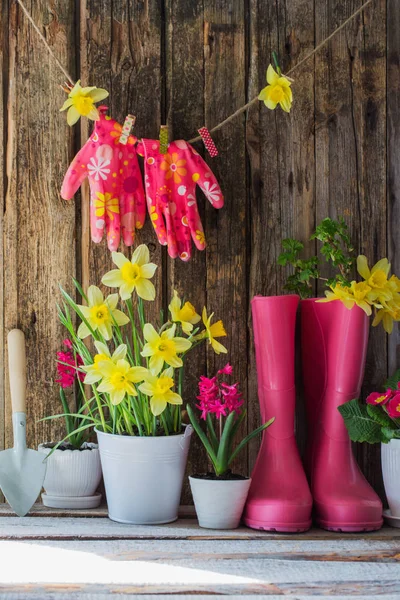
{"points": [[279, 497], [334, 347]]}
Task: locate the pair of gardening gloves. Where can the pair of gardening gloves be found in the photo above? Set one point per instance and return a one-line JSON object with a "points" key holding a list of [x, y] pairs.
{"points": [[117, 198]]}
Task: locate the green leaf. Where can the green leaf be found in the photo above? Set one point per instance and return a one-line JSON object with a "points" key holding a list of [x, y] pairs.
{"points": [[247, 439], [392, 382], [361, 427], [379, 416], [206, 443], [390, 434]]}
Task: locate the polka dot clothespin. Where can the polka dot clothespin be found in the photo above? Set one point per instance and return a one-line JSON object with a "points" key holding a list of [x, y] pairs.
{"points": [[163, 139], [208, 142], [126, 128]]}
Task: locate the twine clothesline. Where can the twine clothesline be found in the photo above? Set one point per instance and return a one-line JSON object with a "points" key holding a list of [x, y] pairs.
{"points": [[240, 110]]}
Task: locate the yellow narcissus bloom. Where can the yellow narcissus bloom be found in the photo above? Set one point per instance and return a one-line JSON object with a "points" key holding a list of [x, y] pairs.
{"points": [[387, 315], [81, 102], [159, 391], [101, 314], [211, 332], [118, 379], [377, 277], [163, 348], [186, 314], [93, 372], [132, 274], [277, 91], [339, 292]]}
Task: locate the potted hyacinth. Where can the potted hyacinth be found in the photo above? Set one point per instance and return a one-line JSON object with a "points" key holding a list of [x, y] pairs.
{"points": [[378, 421], [135, 372], [73, 469], [219, 496]]}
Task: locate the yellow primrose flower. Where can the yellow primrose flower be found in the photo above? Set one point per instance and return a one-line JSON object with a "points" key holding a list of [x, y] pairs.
{"points": [[163, 348], [387, 316], [377, 276], [93, 372], [101, 314], [211, 332], [118, 379], [81, 102], [159, 391], [277, 91], [186, 314], [132, 274]]}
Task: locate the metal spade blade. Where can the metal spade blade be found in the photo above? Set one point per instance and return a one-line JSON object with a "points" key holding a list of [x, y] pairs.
{"points": [[22, 471]]}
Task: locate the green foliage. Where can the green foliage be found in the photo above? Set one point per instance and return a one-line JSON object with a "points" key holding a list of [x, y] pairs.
{"points": [[368, 423], [392, 382], [304, 270], [220, 450], [336, 248]]}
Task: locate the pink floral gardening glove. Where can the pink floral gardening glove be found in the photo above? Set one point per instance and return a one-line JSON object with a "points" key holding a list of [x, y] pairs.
{"points": [[116, 188], [170, 182]]}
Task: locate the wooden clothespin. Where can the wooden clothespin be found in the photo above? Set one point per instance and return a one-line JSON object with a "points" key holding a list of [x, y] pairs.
{"points": [[208, 142], [163, 139], [126, 128]]}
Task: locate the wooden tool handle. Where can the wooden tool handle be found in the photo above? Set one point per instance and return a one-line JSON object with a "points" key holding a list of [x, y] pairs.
{"points": [[17, 369]]}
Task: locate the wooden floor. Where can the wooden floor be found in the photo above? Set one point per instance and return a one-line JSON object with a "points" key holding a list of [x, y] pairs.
{"points": [[92, 558]]}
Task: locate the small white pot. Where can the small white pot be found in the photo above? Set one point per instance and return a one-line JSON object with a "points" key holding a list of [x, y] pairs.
{"points": [[143, 476], [390, 457], [219, 504], [72, 477]]}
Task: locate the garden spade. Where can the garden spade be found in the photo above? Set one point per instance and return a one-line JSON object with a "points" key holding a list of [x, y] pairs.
{"points": [[22, 471]]}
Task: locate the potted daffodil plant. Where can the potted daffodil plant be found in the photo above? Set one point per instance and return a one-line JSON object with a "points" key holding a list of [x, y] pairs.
{"points": [[134, 370]]}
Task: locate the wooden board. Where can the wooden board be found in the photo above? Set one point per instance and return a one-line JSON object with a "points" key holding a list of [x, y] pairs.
{"points": [[181, 558], [191, 63]]}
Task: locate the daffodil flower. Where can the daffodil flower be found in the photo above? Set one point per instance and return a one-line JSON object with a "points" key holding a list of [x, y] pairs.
{"points": [[377, 277], [81, 102], [163, 348], [101, 314], [211, 332], [132, 274], [93, 372], [159, 391], [184, 314], [387, 315], [118, 379], [277, 91]]}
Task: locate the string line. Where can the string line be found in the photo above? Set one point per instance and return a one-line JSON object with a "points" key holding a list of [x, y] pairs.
{"points": [[240, 110]]}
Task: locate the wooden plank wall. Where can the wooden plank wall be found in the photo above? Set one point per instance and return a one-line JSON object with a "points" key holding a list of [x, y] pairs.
{"points": [[190, 62]]}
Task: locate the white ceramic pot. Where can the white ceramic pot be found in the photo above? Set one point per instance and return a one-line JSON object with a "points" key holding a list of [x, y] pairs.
{"points": [[390, 457], [143, 476], [219, 504], [72, 477]]}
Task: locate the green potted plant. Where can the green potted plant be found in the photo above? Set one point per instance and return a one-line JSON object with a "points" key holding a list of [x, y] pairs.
{"points": [[220, 496], [377, 420], [135, 372], [73, 465]]}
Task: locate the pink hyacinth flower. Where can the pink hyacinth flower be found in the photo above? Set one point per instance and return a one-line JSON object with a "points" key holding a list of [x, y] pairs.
{"points": [[226, 370]]}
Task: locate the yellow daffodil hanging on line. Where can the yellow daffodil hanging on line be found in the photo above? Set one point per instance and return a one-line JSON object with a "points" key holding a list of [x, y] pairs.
{"points": [[278, 90], [81, 102]]}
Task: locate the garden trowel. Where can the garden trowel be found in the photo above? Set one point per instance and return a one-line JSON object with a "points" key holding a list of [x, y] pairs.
{"points": [[22, 471]]}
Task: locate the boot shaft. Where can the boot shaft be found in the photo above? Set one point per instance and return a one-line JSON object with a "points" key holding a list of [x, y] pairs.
{"points": [[334, 347], [274, 319]]}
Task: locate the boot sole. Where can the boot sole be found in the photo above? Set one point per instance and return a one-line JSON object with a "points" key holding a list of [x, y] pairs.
{"points": [[278, 527], [349, 527]]}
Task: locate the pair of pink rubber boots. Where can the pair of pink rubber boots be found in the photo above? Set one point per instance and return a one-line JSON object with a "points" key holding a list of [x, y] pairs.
{"points": [[334, 345]]}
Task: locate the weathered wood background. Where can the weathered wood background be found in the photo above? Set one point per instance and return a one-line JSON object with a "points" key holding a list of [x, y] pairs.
{"points": [[193, 62]]}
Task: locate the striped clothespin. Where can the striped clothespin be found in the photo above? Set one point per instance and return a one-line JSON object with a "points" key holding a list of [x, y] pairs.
{"points": [[126, 128], [208, 142]]}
